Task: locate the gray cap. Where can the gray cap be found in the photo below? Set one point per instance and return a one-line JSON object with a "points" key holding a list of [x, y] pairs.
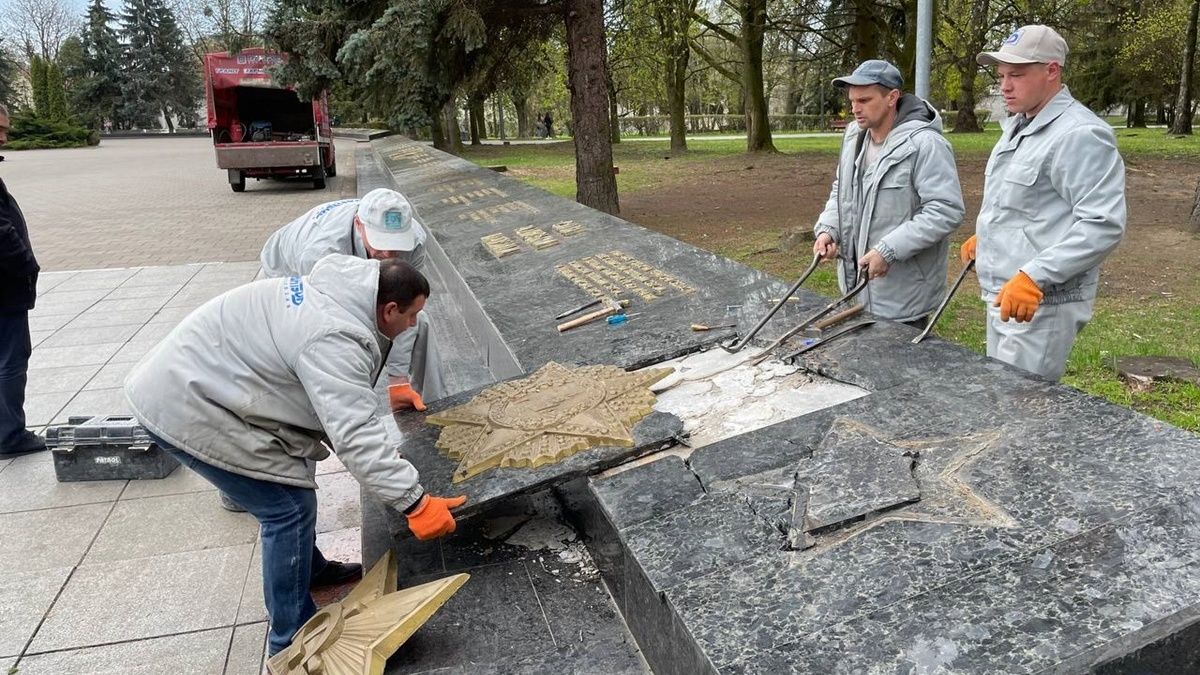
{"points": [[870, 72], [1028, 44]]}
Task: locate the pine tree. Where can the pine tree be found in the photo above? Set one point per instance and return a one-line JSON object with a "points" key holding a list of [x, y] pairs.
{"points": [[97, 90], [56, 94], [39, 85], [160, 76]]}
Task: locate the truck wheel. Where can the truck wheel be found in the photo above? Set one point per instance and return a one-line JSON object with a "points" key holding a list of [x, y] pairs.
{"points": [[237, 180], [331, 170], [319, 177]]}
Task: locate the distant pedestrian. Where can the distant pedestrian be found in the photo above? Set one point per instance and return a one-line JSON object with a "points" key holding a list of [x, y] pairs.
{"points": [[549, 124], [18, 291]]}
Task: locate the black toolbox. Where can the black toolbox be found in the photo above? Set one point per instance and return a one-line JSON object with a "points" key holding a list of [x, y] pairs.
{"points": [[106, 447]]}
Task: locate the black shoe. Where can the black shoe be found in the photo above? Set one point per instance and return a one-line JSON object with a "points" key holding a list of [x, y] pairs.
{"points": [[336, 573], [25, 443]]}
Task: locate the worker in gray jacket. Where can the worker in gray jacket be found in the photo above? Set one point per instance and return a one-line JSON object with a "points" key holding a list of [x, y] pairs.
{"points": [[383, 224], [895, 198], [261, 381], [1053, 208]]}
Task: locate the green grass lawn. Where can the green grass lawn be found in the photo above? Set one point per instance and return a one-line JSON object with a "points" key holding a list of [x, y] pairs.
{"points": [[1121, 326]]}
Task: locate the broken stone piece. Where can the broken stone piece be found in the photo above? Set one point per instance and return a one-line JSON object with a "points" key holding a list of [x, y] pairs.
{"points": [[851, 474], [1144, 370], [546, 417], [358, 634]]}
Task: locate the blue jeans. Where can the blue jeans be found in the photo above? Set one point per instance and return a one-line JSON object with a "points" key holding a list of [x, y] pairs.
{"points": [[15, 348], [287, 518]]}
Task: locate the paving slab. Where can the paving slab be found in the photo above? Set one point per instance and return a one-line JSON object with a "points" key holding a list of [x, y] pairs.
{"points": [[200, 653], [110, 376], [25, 597], [49, 322], [342, 545], [338, 502], [90, 402], [65, 379], [251, 607], [149, 597], [58, 357], [155, 526], [48, 538], [82, 336], [247, 649], [152, 292], [29, 483], [41, 409], [179, 482]]}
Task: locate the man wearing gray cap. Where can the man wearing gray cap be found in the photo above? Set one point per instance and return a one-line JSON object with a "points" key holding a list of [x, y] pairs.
{"points": [[1053, 208], [895, 197]]}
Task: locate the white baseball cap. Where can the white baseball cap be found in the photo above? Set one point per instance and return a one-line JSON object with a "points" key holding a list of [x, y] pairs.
{"points": [[1028, 44], [387, 220]]}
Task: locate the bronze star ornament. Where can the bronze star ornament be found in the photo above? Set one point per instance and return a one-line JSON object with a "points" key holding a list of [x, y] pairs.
{"points": [[357, 635], [546, 417]]}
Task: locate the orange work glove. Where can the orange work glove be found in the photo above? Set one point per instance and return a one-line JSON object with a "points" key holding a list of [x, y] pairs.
{"points": [[967, 252], [1019, 298], [431, 519], [403, 396]]}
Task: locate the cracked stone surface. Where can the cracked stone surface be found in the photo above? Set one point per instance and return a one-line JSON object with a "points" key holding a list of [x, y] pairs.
{"points": [[852, 473], [1054, 532], [546, 417]]}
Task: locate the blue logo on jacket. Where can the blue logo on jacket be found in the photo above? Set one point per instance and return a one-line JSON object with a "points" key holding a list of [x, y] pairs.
{"points": [[295, 289]]}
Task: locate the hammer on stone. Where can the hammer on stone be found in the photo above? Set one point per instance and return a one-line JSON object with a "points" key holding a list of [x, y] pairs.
{"points": [[609, 307]]}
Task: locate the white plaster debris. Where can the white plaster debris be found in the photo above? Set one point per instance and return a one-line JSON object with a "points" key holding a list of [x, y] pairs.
{"points": [[720, 395], [542, 534]]}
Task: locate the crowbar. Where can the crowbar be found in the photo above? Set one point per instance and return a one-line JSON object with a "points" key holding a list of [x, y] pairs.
{"points": [[858, 288], [738, 345], [820, 341], [937, 314]]}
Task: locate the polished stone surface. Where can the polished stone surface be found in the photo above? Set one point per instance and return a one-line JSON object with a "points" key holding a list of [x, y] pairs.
{"points": [[964, 516]]}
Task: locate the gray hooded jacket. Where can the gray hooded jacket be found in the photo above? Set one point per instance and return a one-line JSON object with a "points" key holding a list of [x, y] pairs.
{"points": [[909, 203], [255, 379], [1053, 203]]}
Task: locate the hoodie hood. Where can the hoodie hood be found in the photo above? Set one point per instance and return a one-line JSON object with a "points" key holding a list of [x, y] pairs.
{"points": [[913, 112], [352, 284]]}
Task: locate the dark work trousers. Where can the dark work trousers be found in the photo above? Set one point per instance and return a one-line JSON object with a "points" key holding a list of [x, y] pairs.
{"points": [[15, 348]]}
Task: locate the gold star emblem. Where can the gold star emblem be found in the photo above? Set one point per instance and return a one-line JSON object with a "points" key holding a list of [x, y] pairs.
{"points": [[546, 417], [357, 635]]}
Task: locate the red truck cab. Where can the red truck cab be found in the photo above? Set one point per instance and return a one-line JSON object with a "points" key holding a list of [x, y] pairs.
{"points": [[261, 129]]}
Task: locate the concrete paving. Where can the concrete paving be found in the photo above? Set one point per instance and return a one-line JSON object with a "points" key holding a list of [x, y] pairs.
{"points": [[137, 577]]}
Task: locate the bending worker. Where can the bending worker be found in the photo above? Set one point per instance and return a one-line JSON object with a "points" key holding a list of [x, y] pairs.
{"points": [[895, 198], [1053, 208], [254, 383], [381, 225]]}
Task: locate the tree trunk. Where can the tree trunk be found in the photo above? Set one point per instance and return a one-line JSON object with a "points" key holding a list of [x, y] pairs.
{"points": [[677, 68], [479, 120], [167, 119], [965, 121], [437, 131], [866, 31], [1183, 103], [453, 131], [1137, 114], [614, 122], [522, 106], [1160, 113], [587, 77], [1194, 219], [473, 122], [758, 126]]}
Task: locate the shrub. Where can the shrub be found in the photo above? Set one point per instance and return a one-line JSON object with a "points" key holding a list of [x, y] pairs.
{"points": [[30, 132]]}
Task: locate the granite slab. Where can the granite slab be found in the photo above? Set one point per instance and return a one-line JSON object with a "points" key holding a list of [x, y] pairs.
{"points": [[852, 474]]}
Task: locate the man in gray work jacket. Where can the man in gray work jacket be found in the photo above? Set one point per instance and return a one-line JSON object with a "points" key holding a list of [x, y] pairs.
{"points": [[1053, 208], [895, 198]]}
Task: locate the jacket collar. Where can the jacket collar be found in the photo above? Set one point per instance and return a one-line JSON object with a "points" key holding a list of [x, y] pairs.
{"points": [[1056, 107]]}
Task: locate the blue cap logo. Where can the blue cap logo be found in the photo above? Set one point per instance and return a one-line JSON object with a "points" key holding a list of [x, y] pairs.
{"points": [[1014, 38], [394, 221]]}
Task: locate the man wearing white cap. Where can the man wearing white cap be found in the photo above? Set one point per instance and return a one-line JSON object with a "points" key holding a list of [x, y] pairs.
{"points": [[381, 225], [1053, 208]]}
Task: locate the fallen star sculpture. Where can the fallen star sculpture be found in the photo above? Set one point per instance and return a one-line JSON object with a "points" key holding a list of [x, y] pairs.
{"points": [[357, 635], [546, 417]]}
